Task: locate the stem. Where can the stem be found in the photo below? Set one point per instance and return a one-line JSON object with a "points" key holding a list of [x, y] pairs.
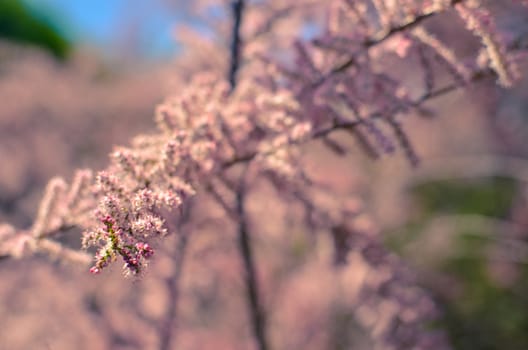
{"points": [[238, 9], [244, 240], [256, 311]]}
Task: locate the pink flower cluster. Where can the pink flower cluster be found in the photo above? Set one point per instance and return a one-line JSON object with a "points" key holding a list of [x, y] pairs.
{"points": [[134, 255], [128, 215]]}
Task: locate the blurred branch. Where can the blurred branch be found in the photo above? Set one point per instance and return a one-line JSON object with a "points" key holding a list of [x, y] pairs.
{"points": [[244, 243], [18, 243], [371, 42], [238, 9], [428, 95], [250, 274], [323, 132], [278, 15], [478, 75], [217, 197], [272, 21]]}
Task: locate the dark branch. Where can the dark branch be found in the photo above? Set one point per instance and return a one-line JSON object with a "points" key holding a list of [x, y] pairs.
{"points": [[244, 244], [234, 65], [250, 275]]}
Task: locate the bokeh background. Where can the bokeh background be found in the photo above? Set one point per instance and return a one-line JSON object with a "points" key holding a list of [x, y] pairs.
{"points": [[77, 77]]}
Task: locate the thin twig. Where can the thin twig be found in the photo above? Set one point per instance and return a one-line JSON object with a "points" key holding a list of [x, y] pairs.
{"points": [[371, 42]]}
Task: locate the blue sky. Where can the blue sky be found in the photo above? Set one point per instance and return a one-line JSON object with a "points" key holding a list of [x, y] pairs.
{"points": [[140, 27]]}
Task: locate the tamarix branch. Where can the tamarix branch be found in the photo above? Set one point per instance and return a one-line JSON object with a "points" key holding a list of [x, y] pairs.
{"points": [[296, 74]]}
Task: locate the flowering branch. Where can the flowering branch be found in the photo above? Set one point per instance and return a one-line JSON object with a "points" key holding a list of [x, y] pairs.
{"points": [[257, 120], [62, 208], [351, 125]]}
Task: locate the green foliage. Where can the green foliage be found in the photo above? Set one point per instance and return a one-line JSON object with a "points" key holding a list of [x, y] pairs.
{"points": [[485, 315], [19, 24], [479, 312], [488, 196]]}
